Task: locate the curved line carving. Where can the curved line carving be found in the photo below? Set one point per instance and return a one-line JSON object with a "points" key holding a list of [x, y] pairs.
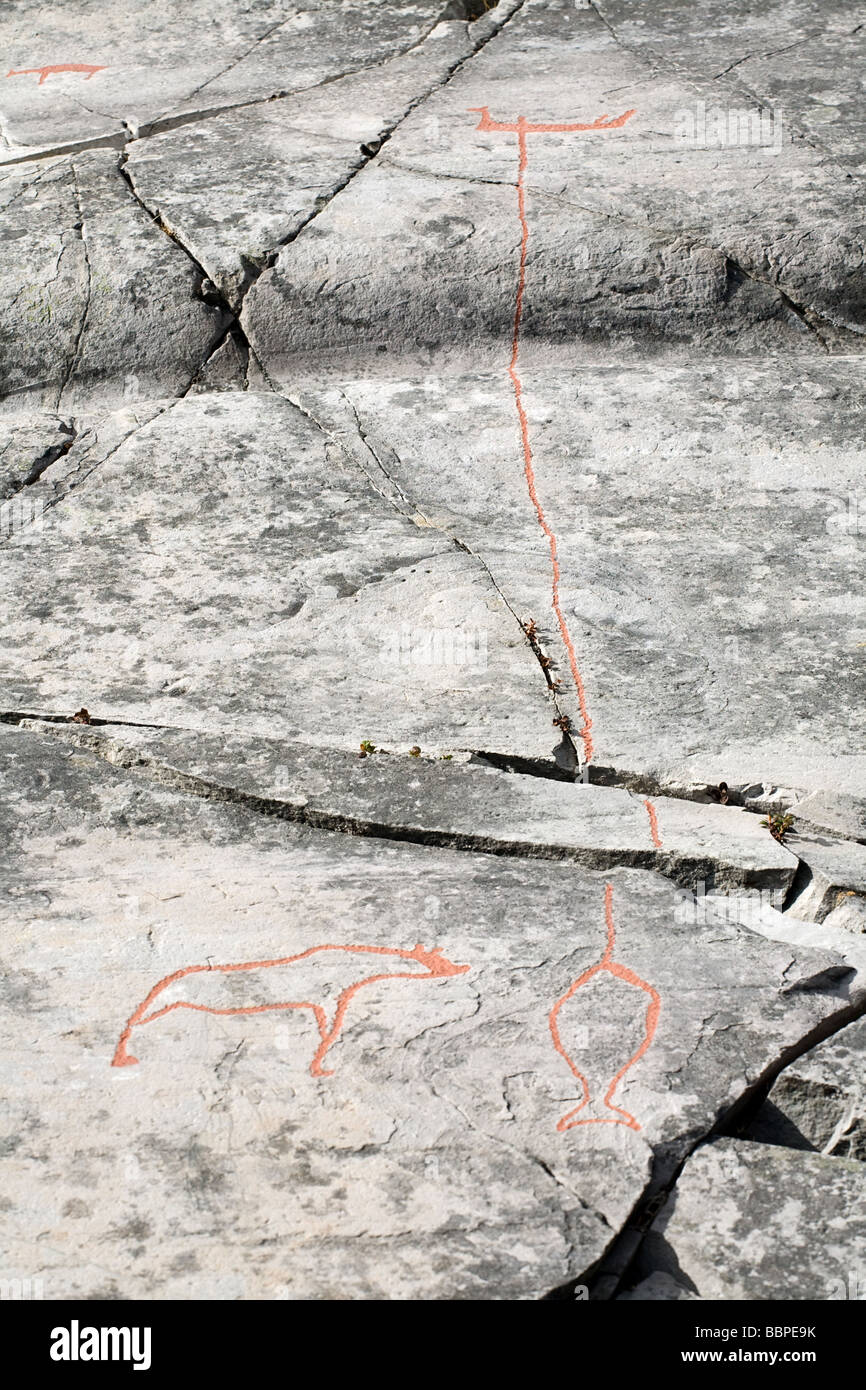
{"points": [[437, 966], [620, 972]]}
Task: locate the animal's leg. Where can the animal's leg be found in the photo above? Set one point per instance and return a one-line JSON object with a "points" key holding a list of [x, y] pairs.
{"points": [[329, 1038]]}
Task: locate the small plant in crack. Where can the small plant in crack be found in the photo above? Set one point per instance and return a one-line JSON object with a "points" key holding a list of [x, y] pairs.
{"points": [[81, 717], [845, 894], [531, 632], [414, 751], [366, 747], [563, 722], [779, 824]]}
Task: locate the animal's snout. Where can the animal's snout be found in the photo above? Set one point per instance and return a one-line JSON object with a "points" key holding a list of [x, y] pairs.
{"points": [[438, 964]]}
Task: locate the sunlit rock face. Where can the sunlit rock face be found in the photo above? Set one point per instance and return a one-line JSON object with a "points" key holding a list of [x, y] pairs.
{"points": [[432, 509]]}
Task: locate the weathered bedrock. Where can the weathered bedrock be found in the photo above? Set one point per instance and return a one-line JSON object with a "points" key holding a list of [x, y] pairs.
{"points": [[432, 774]]}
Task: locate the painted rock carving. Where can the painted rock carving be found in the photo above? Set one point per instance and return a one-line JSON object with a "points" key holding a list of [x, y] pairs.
{"points": [[433, 966], [607, 964]]}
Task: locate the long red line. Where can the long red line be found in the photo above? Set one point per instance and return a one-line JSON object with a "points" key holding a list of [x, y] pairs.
{"points": [[654, 823], [521, 127], [529, 472]]}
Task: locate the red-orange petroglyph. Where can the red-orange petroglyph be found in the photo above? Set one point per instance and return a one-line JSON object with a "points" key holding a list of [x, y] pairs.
{"points": [[45, 73], [437, 966], [654, 824], [521, 127], [621, 972]]}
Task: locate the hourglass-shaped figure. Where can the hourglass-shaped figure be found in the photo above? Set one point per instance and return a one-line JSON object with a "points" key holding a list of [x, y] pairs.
{"points": [[607, 965]]}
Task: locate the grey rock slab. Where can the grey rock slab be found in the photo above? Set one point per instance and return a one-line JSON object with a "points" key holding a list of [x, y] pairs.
{"points": [[824, 810], [707, 534], [44, 280], [44, 457], [819, 1101], [227, 368], [837, 938], [747, 1221], [317, 46], [222, 565], [837, 868], [29, 442], [637, 237], [100, 306], [235, 186], [850, 915], [467, 804], [804, 64], [153, 63], [437, 1159]]}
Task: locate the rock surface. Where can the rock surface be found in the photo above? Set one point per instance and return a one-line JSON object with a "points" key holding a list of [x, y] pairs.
{"points": [[761, 916], [98, 305], [435, 1154], [748, 51], [828, 810], [850, 914], [744, 1224], [432, 501], [466, 806], [819, 1102], [674, 508], [277, 592], [155, 65], [639, 233], [232, 209], [837, 869]]}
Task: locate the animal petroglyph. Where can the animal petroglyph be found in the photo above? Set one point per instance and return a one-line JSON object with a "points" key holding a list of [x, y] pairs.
{"points": [[433, 965]]}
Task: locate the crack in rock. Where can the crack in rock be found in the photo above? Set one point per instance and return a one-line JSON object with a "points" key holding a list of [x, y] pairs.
{"points": [[76, 346]]}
